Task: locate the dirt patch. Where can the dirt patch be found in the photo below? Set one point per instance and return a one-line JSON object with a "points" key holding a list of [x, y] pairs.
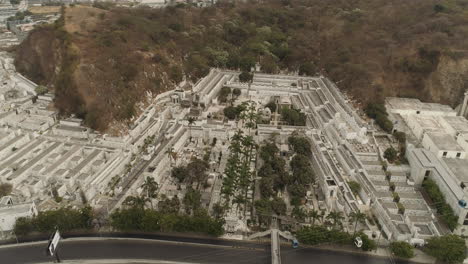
{"points": [[83, 19], [44, 9]]}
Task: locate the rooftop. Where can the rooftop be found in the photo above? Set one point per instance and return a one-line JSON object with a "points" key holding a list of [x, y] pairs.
{"points": [[459, 167], [444, 141], [415, 104], [459, 123]]}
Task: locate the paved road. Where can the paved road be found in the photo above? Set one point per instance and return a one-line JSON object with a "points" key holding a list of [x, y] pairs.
{"points": [[176, 251]]}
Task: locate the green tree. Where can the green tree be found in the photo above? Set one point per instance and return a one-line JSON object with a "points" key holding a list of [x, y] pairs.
{"points": [[245, 77], [223, 94], [357, 217], [279, 206], [293, 117], [230, 112], [190, 121], [135, 201], [443, 209], [66, 219], [300, 145], [308, 69], [314, 214], [391, 154], [150, 188], [267, 187], [400, 136], [176, 74], [367, 243], [197, 171], [169, 206], [336, 218], [5, 189], [402, 249], [315, 235], [236, 92], [449, 248], [299, 214], [180, 173], [192, 200]]}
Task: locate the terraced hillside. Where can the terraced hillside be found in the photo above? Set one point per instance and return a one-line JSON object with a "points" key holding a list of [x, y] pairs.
{"points": [[104, 61]]}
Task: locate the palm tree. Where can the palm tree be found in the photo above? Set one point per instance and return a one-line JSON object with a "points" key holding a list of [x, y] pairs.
{"points": [[314, 214], [357, 217], [322, 215], [170, 153], [135, 201], [150, 187], [336, 217], [190, 120]]}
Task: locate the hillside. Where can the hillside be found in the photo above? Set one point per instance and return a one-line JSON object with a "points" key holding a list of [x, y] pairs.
{"points": [[103, 61]]}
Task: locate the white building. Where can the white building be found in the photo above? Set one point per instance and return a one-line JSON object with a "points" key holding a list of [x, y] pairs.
{"points": [[450, 176]]}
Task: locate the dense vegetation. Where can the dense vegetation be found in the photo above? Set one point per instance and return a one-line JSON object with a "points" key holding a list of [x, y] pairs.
{"points": [[374, 48], [194, 172], [293, 117], [402, 249], [438, 199], [315, 235], [449, 248], [65, 219], [148, 220], [378, 112], [275, 179]]}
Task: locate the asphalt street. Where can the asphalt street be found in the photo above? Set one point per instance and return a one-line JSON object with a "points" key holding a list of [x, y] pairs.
{"points": [[176, 251]]}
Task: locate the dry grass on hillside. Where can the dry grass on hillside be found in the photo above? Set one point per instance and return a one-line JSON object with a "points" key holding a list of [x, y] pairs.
{"points": [[83, 19], [44, 9]]}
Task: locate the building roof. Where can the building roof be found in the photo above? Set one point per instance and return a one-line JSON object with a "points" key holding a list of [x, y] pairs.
{"points": [[459, 168], [415, 104], [444, 141], [458, 123]]}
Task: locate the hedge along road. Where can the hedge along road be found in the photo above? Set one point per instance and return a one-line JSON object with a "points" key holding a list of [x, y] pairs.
{"points": [[178, 249]]}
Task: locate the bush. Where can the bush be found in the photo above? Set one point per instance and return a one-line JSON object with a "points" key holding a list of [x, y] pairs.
{"points": [[300, 145], [176, 74], [378, 112], [223, 94], [293, 117], [400, 136], [367, 243], [147, 220], [449, 248], [391, 154], [66, 219], [40, 89], [443, 209], [314, 235], [402, 249], [245, 77], [355, 187]]}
